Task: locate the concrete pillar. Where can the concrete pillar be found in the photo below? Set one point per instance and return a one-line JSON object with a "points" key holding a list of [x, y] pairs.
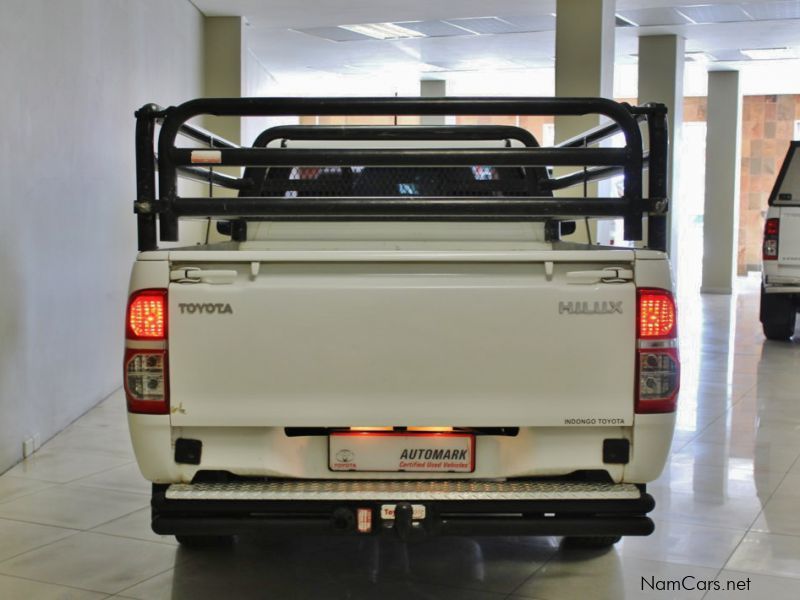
{"points": [[661, 60], [584, 57], [224, 69], [721, 221], [433, 88], [584, 67]]}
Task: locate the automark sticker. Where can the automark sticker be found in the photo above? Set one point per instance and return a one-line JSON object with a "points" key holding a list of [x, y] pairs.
{"points": [[412, 452]]}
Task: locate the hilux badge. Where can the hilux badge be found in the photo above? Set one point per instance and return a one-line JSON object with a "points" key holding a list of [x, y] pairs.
{"points": [[590, 308]]}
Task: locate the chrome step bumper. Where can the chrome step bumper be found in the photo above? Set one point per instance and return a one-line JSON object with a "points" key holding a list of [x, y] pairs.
{"points": [[450, 507], [422, 490]]}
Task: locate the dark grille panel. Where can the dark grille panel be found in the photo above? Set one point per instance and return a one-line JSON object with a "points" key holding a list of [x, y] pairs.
{"points": [[397, 181]]}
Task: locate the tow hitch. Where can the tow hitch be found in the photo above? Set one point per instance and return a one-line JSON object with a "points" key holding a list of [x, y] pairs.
{"points": [[406, 527], [409, 522]]}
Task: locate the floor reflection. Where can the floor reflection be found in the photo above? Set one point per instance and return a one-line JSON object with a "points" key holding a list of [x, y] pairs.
{"points": [[359, 568]]}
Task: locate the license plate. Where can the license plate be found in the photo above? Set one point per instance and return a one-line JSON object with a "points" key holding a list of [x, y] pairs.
{"points": [[398, 452]]}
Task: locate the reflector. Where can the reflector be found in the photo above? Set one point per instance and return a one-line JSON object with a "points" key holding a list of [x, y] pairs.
{"points": [[658, 374], [145, 381]]}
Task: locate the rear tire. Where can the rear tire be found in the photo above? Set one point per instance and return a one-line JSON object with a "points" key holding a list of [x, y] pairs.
{"points": [[204, 541], [591, 542], [778, 315]]}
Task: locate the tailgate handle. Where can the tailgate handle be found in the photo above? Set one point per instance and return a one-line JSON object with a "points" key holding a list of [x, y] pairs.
{"points": [[608, 275], [197, 275]]}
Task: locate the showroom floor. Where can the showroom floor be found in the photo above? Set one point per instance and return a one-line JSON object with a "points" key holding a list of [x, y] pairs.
{"points": [[74, 517]]}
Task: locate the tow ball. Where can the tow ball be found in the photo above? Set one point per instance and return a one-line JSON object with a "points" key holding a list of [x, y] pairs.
{"points": [[405, 526]]}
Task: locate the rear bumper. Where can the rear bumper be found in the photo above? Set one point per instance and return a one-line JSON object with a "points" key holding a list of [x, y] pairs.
{"points": [[785, 283], [475, 508], [782, 288], [269, 452]]}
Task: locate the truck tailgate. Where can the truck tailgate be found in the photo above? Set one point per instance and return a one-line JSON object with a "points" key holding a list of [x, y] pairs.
{"points": [[417, 343]]}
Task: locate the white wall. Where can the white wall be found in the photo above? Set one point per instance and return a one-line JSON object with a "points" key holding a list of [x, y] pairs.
{"points": [[71, 75], [258, 81]]}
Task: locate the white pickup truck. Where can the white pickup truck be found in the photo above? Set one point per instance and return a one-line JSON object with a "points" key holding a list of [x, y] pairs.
{"points": [[780, 292], [395, 338]]}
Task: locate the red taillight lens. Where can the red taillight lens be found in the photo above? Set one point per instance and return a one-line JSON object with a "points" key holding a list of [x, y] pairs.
{"points": [[147, 315], [770, 247], [145, 379], [656, 314], [771, 227]]}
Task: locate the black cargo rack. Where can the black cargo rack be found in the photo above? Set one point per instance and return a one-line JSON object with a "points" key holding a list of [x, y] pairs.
{"points": [[160, 211]]}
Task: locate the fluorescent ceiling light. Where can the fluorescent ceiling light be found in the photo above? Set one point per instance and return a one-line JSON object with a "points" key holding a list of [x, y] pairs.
{"points": [[769, 53], [383, 31]]}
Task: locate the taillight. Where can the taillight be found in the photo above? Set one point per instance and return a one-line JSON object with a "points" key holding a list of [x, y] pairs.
{"points": [[657, 360], [656, 314], [145, 372], [147, 315], [769, 250]]}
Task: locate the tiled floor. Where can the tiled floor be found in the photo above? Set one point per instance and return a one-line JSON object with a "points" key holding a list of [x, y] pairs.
{"points": [[74, 518]]}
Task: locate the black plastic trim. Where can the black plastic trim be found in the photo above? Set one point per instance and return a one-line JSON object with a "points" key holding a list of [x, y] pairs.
{"points": [[773, 195], [188, 451], [616, 451]]}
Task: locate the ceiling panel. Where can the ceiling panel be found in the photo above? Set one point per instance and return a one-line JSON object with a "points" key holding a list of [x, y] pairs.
{"points": [[714, 13], [434, 28], [649, 17], [334, 34], [295, 36], [770, 11], [533, 23], [486, 25]]}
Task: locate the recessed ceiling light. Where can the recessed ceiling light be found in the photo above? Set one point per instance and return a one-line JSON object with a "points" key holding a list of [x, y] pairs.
{"points": [[769, 53], [383, 31]]}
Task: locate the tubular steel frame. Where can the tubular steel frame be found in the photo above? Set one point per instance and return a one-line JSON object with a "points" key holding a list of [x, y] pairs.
{"points": [[161, 211]]}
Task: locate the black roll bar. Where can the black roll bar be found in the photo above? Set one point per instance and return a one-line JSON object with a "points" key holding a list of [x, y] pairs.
{"points": [[172, 160], [398, 132], [657, 185]]}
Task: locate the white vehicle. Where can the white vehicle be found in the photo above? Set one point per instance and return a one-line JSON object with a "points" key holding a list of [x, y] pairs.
{"points": [[780, 290], [395, 340]]}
